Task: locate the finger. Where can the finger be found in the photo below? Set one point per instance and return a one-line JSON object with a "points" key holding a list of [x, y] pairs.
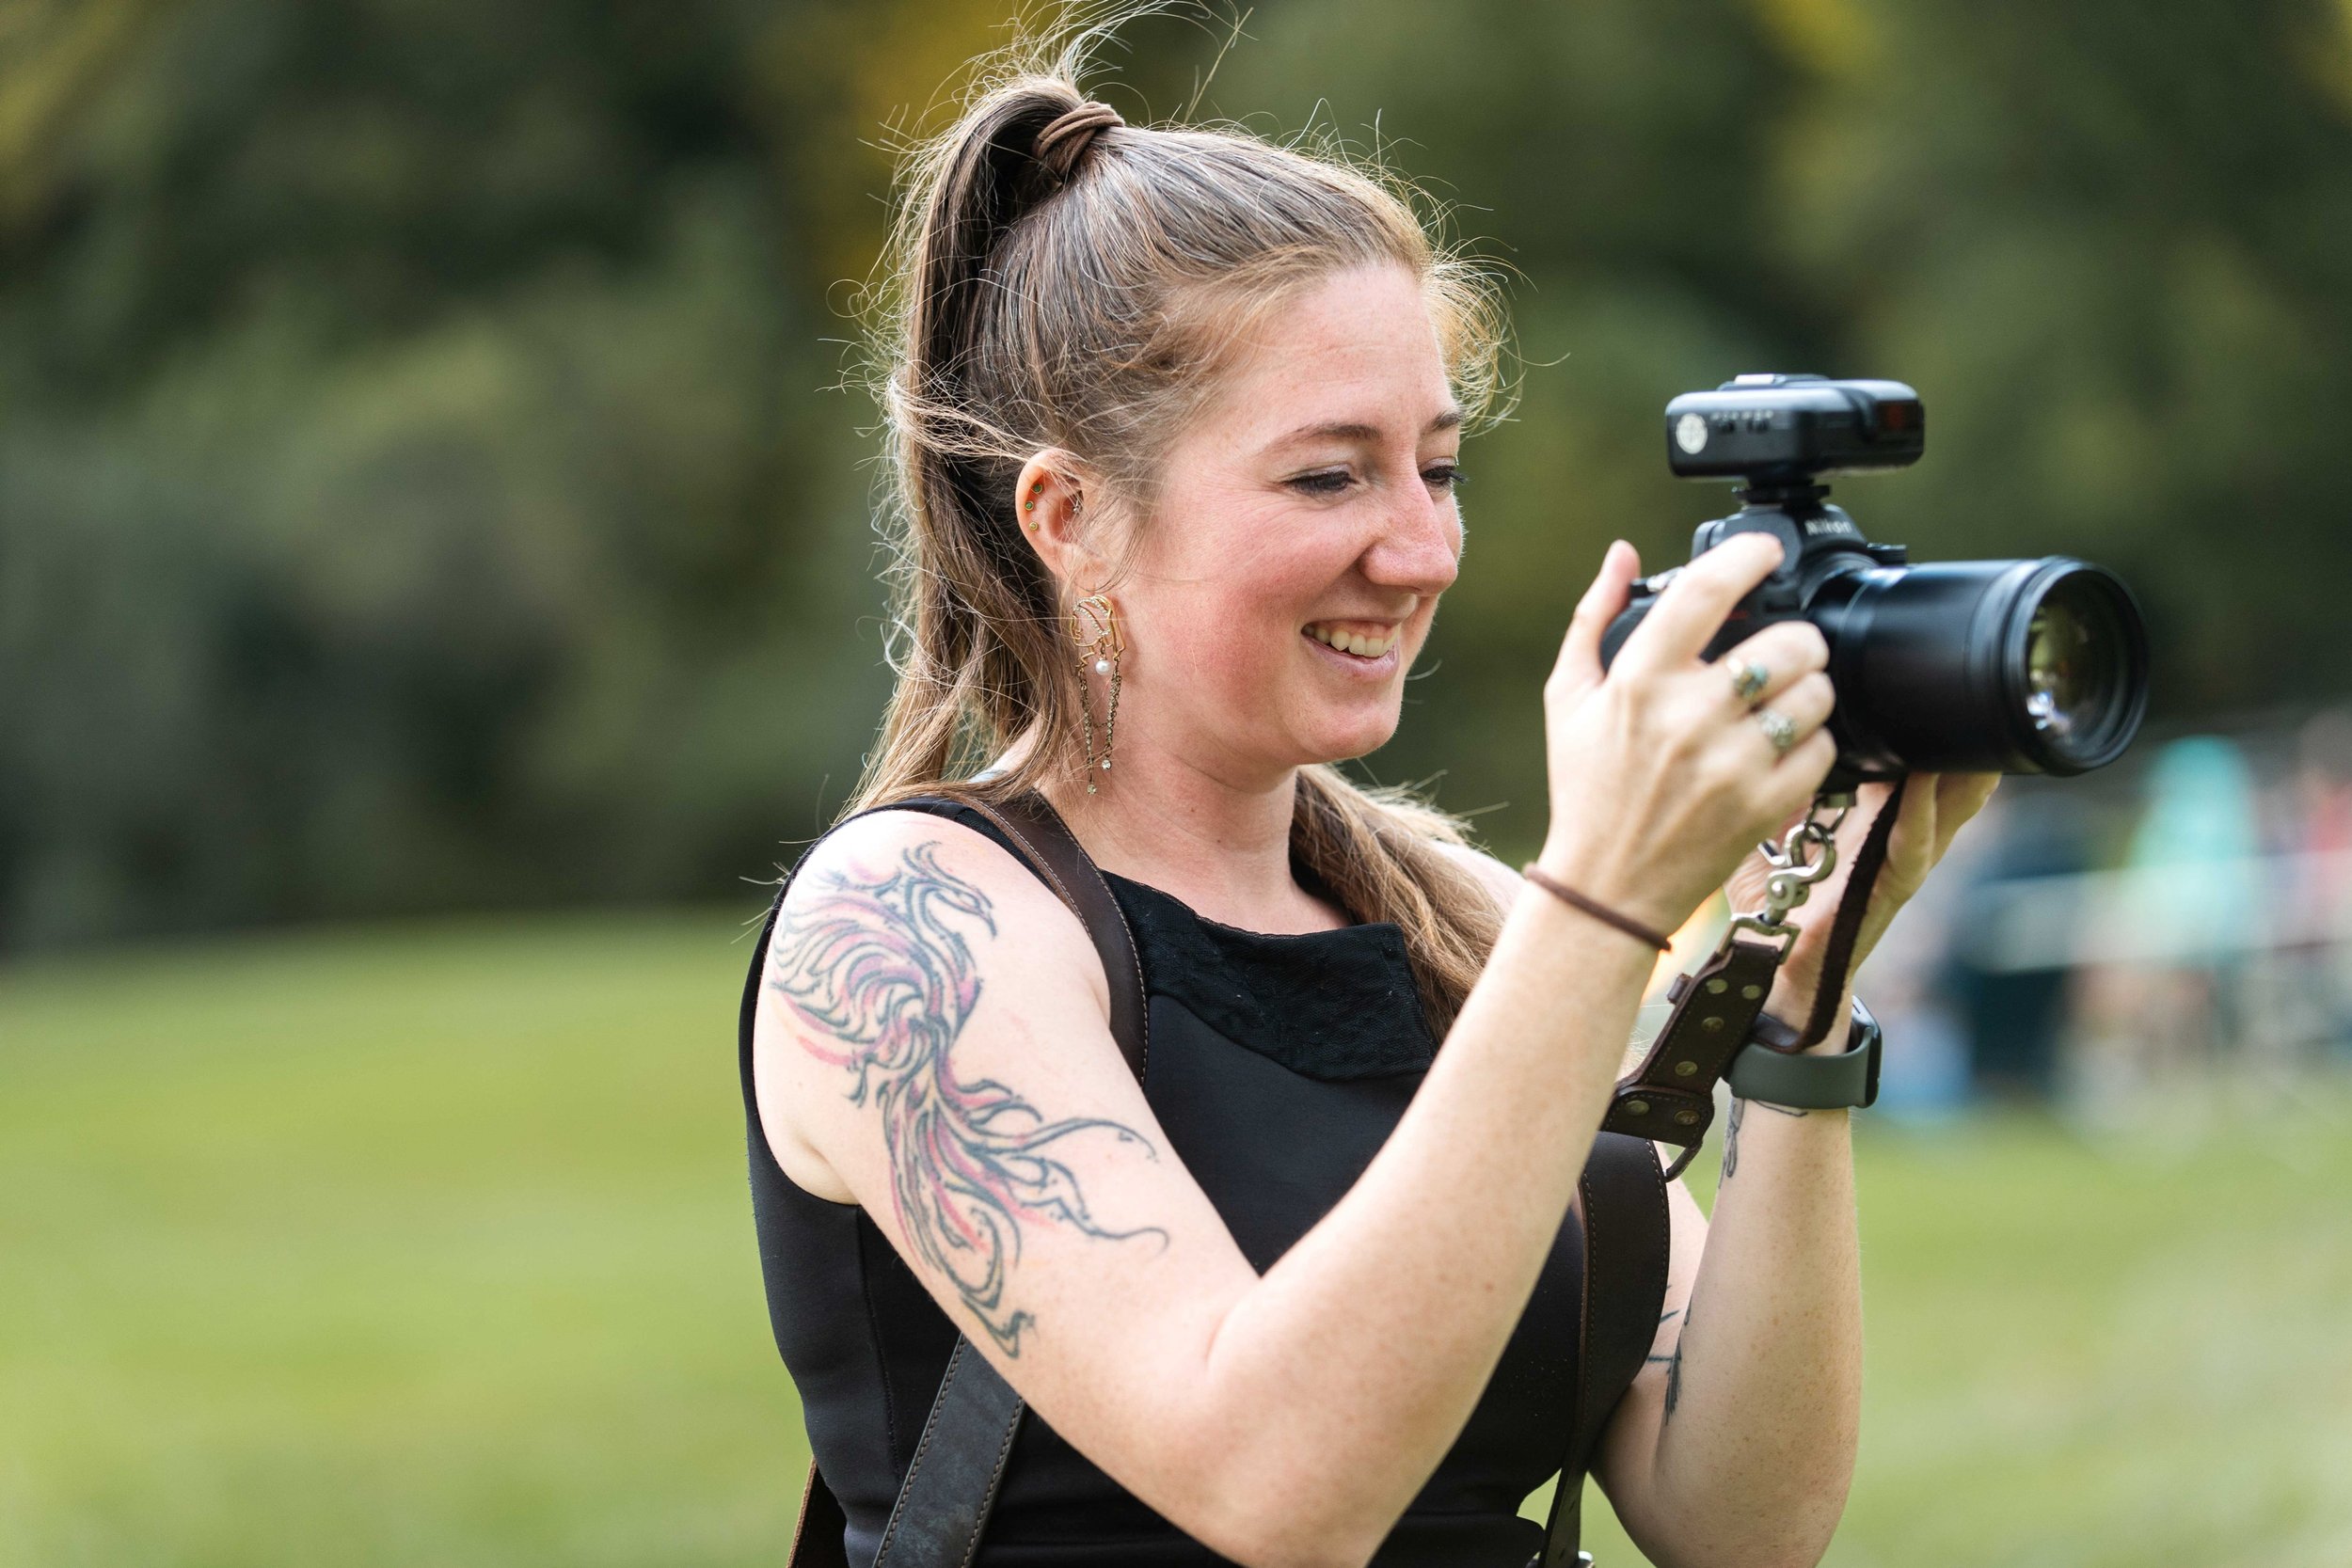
{"points": [[1965, 794], [1958, 797], [1806, 704], [1693, 607], [1797, 777], [1579, 665], [1787, 649], [1806, 765], [1916, 824]]}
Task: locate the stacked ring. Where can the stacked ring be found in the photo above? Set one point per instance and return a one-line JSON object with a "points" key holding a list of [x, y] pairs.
{"points": [[1779, 729], [1748, 678]]}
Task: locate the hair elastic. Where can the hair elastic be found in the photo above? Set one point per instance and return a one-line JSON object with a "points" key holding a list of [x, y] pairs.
{"points": [[1062, 143]]}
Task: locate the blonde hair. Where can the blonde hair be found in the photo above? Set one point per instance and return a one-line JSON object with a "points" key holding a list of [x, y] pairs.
{"points": [[1089, 300]]}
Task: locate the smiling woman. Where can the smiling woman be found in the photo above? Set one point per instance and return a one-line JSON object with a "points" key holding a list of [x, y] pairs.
{"points": [[1125, 1081]]}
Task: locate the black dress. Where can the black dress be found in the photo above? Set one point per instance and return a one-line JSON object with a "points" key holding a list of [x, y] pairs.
{"points": [[1278, 1065]]}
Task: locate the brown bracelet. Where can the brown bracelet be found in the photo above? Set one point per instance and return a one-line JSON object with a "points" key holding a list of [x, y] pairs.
{"points": [[1625, 922]]}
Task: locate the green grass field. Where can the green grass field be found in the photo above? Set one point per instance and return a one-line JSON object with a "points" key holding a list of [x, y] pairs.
{"points": [[431, 1245]]}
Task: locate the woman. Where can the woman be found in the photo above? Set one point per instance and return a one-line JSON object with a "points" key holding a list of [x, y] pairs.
{"points": [[1176, 418]]}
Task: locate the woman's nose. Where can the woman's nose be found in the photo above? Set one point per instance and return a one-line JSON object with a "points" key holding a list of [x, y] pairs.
{"points": [[1420, 546]]}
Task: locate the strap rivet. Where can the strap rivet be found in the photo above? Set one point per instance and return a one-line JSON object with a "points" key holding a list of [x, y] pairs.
{"points": [[1687, 1118], [1718, 985], [1637, 1107], [1712, 1023], [1684, 1069], [1750, 992]]}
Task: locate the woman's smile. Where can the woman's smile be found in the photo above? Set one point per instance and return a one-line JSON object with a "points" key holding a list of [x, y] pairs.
{"points": [[1365, 649]]}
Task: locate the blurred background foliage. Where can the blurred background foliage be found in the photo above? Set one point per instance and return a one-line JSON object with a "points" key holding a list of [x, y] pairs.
{"points": [[425, 482]]}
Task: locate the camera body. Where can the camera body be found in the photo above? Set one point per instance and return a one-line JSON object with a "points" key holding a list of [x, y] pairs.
{"points": [[2030, 666]]}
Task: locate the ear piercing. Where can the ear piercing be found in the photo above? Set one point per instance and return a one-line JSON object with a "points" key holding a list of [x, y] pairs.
{"points": [[1037, 489]]}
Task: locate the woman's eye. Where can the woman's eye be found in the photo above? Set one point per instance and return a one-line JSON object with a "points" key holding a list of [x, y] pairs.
{"points": [[1445, 476], [1325, 481]]}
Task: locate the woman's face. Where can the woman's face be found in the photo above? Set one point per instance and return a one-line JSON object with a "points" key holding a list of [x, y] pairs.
{"points": [[1311, 500]]}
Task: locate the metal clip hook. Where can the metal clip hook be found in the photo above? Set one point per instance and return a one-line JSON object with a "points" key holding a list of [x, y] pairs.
{"points": [[1793, 873]]}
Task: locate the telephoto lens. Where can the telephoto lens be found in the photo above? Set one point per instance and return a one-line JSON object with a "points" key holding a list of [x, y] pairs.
{"points": [[2037, 666]]}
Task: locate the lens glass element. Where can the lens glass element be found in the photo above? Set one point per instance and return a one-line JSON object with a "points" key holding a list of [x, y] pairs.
{"points": [[2076, 652]]}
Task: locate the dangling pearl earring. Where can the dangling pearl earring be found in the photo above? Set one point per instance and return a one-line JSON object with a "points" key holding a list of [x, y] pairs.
{"points": [[1096, 630]]}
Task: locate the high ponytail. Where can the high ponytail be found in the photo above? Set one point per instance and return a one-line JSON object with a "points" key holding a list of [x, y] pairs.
{"points": [[1060, 279]]}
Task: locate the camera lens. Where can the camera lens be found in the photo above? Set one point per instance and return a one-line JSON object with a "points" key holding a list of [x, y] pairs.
{"points": [[1996, 666], [2079, 676]]}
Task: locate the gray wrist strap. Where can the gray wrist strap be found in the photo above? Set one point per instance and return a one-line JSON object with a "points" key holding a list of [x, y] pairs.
{"points": [[1766, 1070]]}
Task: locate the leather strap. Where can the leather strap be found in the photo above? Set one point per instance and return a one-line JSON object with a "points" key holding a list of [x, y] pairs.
{"points": [[950, 1485], [1670, 1096], [1055, 853], [1846, 924], [1621, 1205]]}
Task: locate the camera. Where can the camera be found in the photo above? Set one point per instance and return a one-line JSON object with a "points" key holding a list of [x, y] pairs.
{"points": [[2037, 666]]}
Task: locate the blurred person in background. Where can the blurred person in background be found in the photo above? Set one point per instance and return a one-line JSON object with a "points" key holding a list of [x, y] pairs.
{"points": [[2168, 998], [2012, 997], [2316, 905], [1176, 418]]}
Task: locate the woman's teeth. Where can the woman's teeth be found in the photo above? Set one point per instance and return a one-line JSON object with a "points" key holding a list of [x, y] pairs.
{"points": [[1349, 642]]}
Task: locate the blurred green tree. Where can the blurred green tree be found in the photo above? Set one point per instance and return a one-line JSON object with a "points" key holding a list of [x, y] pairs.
{"points": [[422, 483]]}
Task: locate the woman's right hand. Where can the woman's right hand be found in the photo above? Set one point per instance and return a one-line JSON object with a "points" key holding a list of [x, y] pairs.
{"points": [[1662, 779]]}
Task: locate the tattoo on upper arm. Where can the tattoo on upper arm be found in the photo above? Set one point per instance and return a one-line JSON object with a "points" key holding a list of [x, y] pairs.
{"points": [[880, 971], [1731, 1131]]}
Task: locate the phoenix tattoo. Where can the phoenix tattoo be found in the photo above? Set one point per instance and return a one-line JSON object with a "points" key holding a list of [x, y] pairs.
{"points": [[880, 971]]}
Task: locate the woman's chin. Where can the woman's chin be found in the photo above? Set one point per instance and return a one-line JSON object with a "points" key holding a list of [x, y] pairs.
{"points": [[1354, 733]]}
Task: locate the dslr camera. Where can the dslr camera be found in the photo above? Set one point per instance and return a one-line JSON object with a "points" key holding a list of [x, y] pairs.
{"points": [[1953, 666]]}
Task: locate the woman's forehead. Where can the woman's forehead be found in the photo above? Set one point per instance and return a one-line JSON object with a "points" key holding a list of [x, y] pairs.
{"points": [[1353, 357]]}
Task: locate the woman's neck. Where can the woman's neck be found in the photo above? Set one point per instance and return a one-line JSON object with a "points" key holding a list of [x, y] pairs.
{"points": [[1221, 846]]}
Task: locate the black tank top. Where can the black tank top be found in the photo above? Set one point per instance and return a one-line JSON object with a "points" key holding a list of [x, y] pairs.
{"points": [[1278, 1066]]}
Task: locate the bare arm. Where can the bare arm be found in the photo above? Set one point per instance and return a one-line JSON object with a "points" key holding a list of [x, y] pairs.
{"points": [[1738, 1443]]}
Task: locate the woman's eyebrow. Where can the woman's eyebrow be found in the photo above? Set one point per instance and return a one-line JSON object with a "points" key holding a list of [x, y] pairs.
{"points": [[1351, 431]]}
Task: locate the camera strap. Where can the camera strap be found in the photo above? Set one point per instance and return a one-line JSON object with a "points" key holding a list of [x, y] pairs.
{"points": [[1670, 1098]]}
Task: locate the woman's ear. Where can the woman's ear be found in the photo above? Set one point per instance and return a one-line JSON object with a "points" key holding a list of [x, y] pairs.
{"points": [[1051, 499]]}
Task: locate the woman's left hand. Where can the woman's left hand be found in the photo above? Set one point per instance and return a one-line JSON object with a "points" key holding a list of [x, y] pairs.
{"points": [[1934, 807]]}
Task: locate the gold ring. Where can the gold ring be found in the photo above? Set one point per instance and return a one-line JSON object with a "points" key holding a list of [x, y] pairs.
{"points": [[1748, 678]]}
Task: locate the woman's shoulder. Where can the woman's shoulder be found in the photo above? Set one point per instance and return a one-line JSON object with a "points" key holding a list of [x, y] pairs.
{"points": [[910, 836], [919, 866]]}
